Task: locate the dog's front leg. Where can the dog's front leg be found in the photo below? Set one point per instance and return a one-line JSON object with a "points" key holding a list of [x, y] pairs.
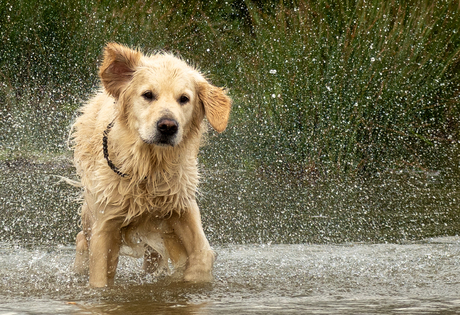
{"points": [[103, 252], [187, 227]]}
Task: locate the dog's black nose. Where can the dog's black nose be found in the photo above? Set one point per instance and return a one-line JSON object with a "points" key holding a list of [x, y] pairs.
{"points": [[167, 127]]}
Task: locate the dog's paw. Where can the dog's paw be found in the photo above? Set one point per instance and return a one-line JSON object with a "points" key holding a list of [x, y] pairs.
{"points": [[81, 264], [79, 269], [198, 274], [199, 267]]}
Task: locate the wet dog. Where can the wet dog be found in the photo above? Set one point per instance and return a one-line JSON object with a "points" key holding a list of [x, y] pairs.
{"points": [[135, 151]]}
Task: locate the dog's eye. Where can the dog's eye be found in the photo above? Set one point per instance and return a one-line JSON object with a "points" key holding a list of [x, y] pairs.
{"points": [[148, 95], [184, 99]]}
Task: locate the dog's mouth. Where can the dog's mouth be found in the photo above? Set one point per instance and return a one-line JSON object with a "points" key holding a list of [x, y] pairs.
{"points": [[161, 142], [166, 133]]}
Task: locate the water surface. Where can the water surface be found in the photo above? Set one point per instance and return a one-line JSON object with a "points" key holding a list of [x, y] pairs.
{"points": [[413, 278]]}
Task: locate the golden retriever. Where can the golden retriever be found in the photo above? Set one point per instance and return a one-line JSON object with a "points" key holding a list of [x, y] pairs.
{"points": [[135, 150]]}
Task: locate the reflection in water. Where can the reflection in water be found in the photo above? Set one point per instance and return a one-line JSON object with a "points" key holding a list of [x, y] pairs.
{"points": [[144, 305]]}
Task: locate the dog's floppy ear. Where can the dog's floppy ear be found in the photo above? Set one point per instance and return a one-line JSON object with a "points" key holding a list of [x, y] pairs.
{"points": [[118, 66], [217, 105]]}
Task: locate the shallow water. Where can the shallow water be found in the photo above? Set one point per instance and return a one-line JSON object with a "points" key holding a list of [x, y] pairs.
{"points": [[343, 247], [419, 278]]}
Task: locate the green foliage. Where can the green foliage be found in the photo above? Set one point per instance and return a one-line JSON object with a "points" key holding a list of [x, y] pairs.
{"points": [[318, 85], [355, 84]]}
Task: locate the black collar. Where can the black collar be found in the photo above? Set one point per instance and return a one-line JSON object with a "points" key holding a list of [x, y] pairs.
{"points": [[106, 151]]}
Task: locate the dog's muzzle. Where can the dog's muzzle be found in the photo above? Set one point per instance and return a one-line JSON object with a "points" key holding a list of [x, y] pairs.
{"points": [[167, 129]]}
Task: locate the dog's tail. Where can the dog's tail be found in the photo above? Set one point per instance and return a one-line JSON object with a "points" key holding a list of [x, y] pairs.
{"points": [[68, 181]]}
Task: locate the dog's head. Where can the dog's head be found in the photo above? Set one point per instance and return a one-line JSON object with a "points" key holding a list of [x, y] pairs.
{"points": [[160, 96]]}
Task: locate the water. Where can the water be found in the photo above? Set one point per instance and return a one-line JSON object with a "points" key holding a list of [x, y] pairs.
{"points": [[419, 278], [374, 245]]}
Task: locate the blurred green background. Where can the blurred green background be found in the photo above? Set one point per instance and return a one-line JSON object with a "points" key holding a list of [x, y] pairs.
{"points": [[318, 85], [345, 117]]}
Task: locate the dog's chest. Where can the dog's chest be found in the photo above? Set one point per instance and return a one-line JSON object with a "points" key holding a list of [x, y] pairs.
{"points": [[162, 194]]}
